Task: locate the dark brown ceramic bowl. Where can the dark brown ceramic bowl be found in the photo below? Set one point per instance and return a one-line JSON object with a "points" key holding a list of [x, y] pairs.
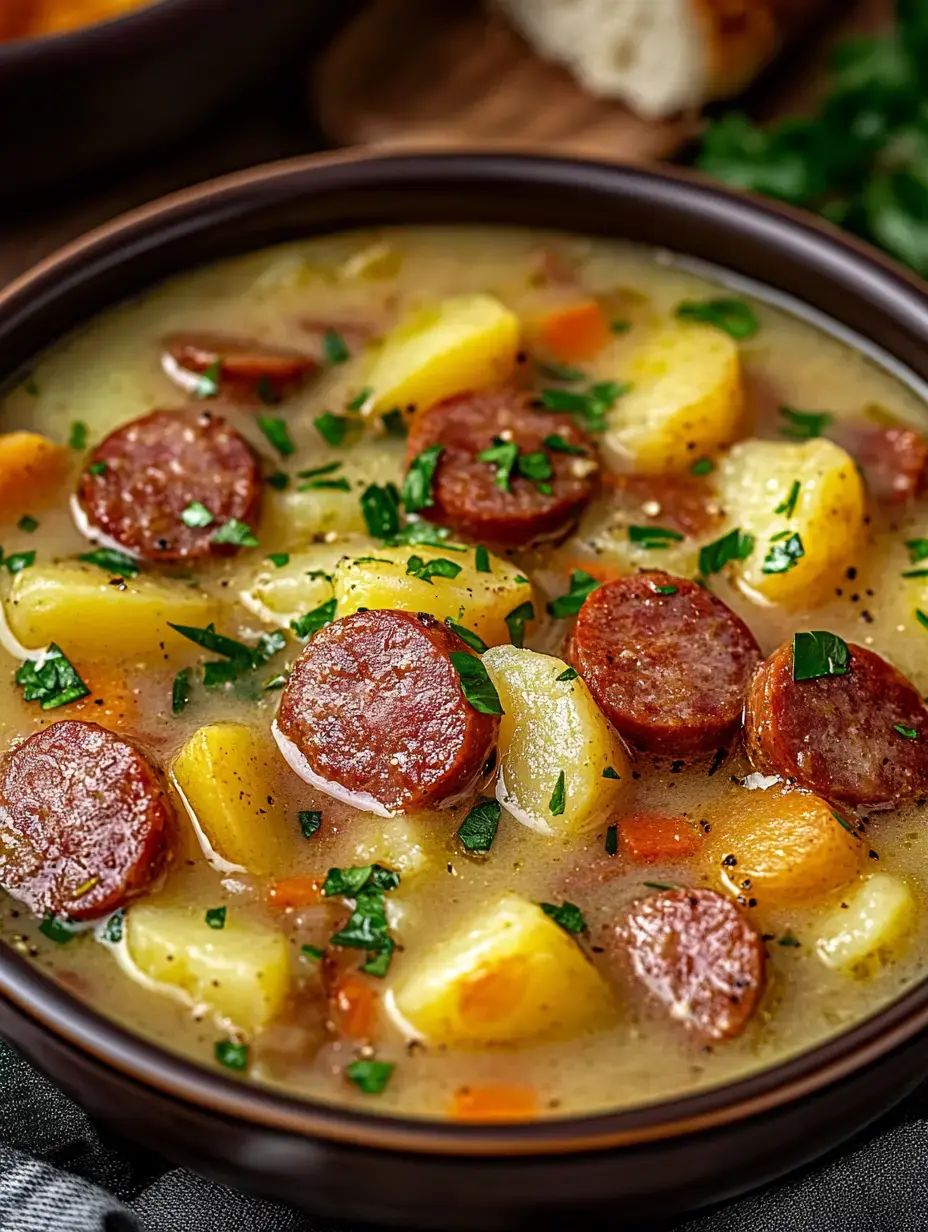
{"points": [[646, 1162], [75, 102]]}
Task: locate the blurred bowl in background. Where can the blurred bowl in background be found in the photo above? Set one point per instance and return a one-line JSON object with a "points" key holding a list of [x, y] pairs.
{"points": [[72, 103]]}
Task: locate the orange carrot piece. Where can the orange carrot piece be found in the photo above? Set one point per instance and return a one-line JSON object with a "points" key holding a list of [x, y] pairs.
{"points": [[293, 892], [575, 333], [654, 836], [111, 702], [355, 1006], [31, 467], [595, 568], [503, 1102]]}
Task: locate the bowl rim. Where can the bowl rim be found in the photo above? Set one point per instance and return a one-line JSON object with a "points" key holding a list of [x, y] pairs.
{"points": [[77, 1026]]}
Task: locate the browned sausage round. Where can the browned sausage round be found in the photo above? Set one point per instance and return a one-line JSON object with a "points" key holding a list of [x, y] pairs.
{"points": [[83, 817], [470, 495], [860, 738], [696, 954], [140, 480], [244, 368], [667, 662], [894, 460], [374, 705]]}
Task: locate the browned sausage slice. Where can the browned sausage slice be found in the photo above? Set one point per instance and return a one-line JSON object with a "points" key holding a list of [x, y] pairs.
{"points": [[247, 370], [142, 478], [696, 954], [894, 459], [667, 662], [860, 738], [469, 493], [374, 706], [83, 818]]}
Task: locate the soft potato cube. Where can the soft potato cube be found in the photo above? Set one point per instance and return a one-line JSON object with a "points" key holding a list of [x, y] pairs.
{"points": [[758, 490], [857, 938], [400, 844], [782, 848], [241, 972], [479, 601], [507, 974], [550, 728], [227, 774], [278, 596], [30, 467], [77, 606], [467, 342], [686, 400]]}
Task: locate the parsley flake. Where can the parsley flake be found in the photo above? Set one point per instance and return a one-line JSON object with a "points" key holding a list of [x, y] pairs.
{"points": [[734, 316], [28, 524], [783, 555], [589, 408], [417, 486], [702, 466], [77, 437], [216, 917], [502, 455], [651, 537], [196, 515], [208, 384], [180, 690], [237, 533], [558, 799], [569, 916], [381, 510], [819, 654], [58, 929], [482, 560], [317, 619], [476, 685], [910, 733], [277, 434], [55, 683], [610, 772], [113, 561], [426, 570], [581, 585], [557, 444], [612, 840], [371, 1077], [334, 350], [569, 673], [804, 425], [478, 829], [232, 1055], [736, 545], [310, 821], [788, 506], [332, 428], [517, 620], [467, 636]]}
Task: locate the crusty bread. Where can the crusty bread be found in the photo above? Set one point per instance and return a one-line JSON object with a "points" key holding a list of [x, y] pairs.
{"points": [[659, 56]]}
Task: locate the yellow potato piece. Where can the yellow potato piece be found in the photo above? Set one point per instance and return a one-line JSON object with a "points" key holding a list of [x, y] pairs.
{"points": [[757, 479], [279, 595], [228, 775], [550, 728], [401, 844], [686, 400], [467, 342], [782, 848], [78, 607], [508, 974], [30, 466], [479, 601], [241, 972], [870, 927]]}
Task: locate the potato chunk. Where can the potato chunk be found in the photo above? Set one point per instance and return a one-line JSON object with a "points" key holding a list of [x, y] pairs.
{"points": [[241, 972], [508, 974], [550, 728], [686, 400], [467, 342], [479, 601], [228, 776], [782, 848], [870, 928], [278, 596], [30, 467], [826, 511], [77, 606], [401, 844]]}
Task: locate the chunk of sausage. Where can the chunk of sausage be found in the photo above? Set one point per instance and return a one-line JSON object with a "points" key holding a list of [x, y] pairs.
{"points": [[471, 496], [83, 821], [374, 711], [140, 480], [696, 954], [860, 738], [667, 662], [682, 503], [894, 459], [247, 370]]}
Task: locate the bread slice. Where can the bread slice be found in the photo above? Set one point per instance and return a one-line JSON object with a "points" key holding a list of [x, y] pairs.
{"points": [[659, 56]]}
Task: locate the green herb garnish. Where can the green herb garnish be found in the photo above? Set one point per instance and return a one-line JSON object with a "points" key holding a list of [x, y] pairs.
{"points": [[819, 654], [77, 436], [313, 951], [310, 821], [733, 546], [426, 570], [558, 799], [581, 585], [502, 455], [417, 486], [612, 840], [208, 384], [196, 515], [482, 560], [478, 829], [610, 772], [516, 622], [467, 636], [266, 391], [783, 555], [567, 915], [557, 444], [370, 1076], [241, 658], [97, 468], [27, 523], [277, 434], [666, 590], [332, 428], [55, 683], [734, 316], [918, 550], [334, 350], [233, 1056], [18, 561], [788, 506], [381, 510], [236, 533], [476, 685], [367, 928], [216, 917], [804, 425], [58, 929], [569, 673], [279, 481], [357, 402], [180, 690], [279, 559], [650, 537], [317, 619], [113, 929], [589, 408], [702, 466], [910, 733], [113, 561]]}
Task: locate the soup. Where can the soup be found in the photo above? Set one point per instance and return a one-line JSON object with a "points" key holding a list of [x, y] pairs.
{"points": [[380, 615], [34, 18]]}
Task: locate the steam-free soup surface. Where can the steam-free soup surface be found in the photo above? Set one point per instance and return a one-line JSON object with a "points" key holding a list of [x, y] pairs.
{"points": [[722, 442]]}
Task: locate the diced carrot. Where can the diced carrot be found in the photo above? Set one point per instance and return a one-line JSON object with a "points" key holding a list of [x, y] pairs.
{"points": [[293, 892], [492, 993], [30, 466], [576, 332], [355, 1006], [112, 702], [655, 836], [503, 1102], [595, 568]]}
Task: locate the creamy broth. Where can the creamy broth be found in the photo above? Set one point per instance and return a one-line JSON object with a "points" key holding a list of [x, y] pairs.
{"points": [[110, 373]]}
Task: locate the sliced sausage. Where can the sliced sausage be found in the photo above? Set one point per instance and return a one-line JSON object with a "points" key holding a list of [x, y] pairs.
{"points": [[667, 662], [467, 493], [894, 460], [860, 738], [679, 502], [247, 370], [83, 821], [697, 955], [140, 480], [374, 707]]}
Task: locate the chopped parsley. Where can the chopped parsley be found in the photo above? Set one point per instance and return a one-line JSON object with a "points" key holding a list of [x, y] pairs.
{"points": [[788, 506], [785, 553], [97, 468], [537, 467], [197, 515], [367, 929], [610, 772], [317, 619], [660, 885], [702, 466], [417, 486], [394, 422], [180, 690], [558, 799], [113, 929], [478, 829], [819, 654], [589, 408], [581, 585], [612, 840], [28, 523], [467, 636], [216, 917], [277, 434], [569, 673], [736, 545], [482, 560], [113, 561], [666, 590], [266, 391], [650, 537], [54, 683], [240, 658], [279, 481], [503, 455], [804, 425], [312, 951], [334, 350], [237, 533], [910, 733], [332, 428], [58, 929], [233, 1056], [918, 550], [736, 317], [326, 485], [208, 384], [279, 559], [845, 824], [426, 570], [619, 326], [557, 444], [567, 915], [77, 437], [476, 685], [381, 510], [357, 402], [921, 617], [310, 821], [371, 1077], [516, 622], [18, 561], [788, 941], [424, 533]]}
